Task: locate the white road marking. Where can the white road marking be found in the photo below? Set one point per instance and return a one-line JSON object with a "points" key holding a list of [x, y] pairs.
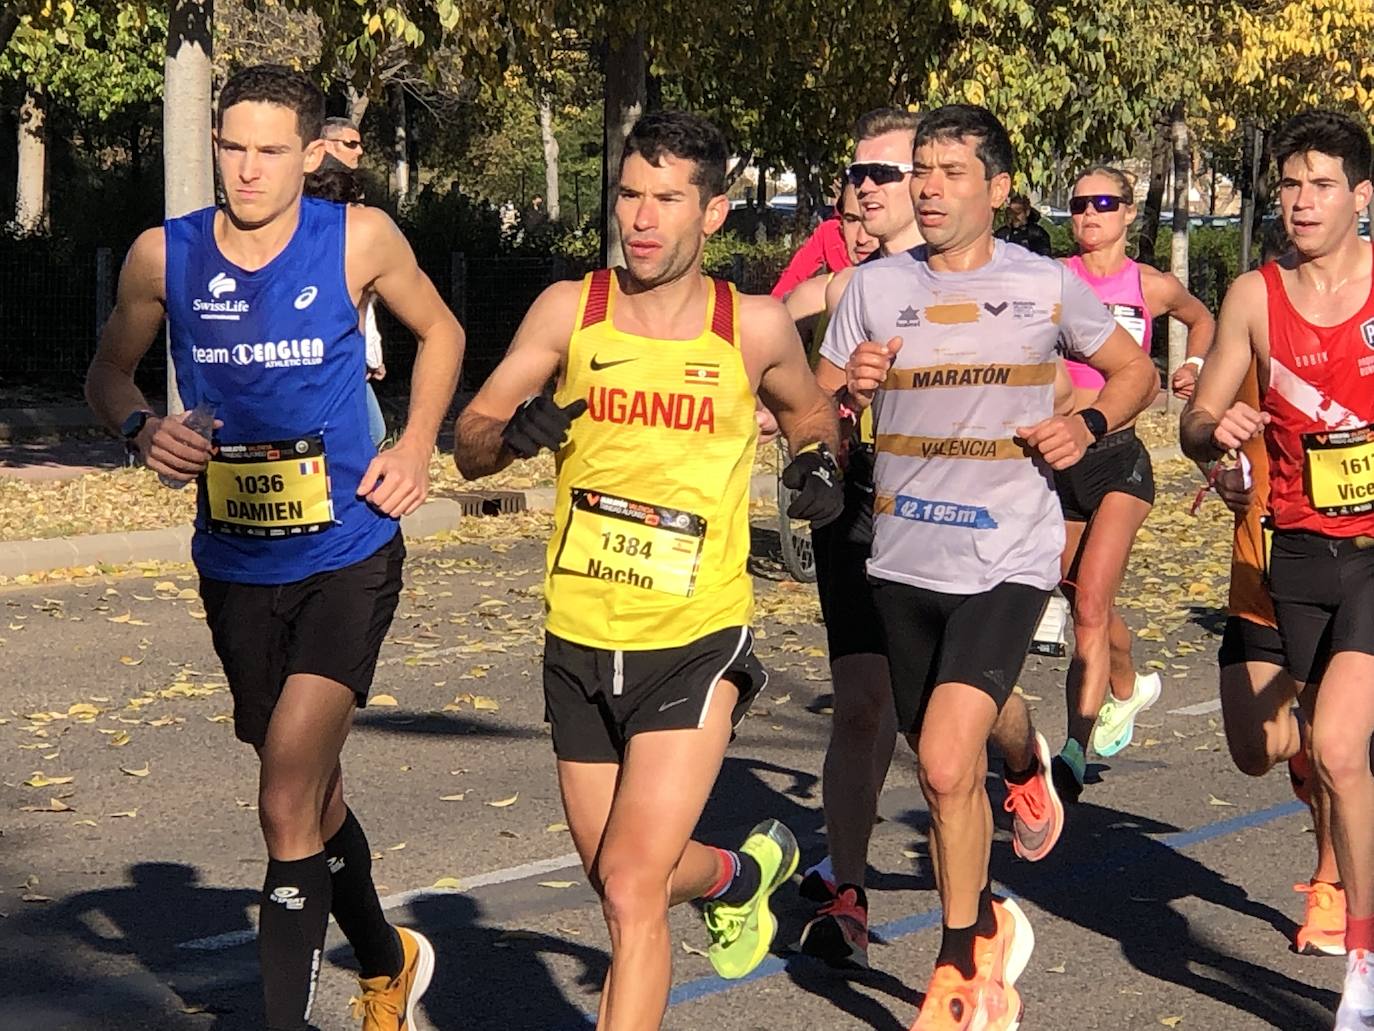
{"points": [[1200, 709], [230, 939]]}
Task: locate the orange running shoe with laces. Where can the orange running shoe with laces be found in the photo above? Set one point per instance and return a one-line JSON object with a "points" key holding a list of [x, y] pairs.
{"points": [[1323, 927], [1037, 812], [838, 933], [1003, 956], [388, 1004]]}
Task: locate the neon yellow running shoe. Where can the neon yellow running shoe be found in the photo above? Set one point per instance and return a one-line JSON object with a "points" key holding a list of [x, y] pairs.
{"points": [[741, 935]]}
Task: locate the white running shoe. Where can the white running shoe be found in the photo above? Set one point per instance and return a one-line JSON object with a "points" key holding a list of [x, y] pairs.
{"points": [[1357, 997], [1116, 719]]}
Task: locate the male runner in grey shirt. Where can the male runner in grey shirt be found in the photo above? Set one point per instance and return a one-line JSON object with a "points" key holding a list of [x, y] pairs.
{"points": [[968, 529]]}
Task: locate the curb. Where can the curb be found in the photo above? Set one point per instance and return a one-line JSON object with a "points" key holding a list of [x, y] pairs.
{"points": [[438, 515], [45, 421]]}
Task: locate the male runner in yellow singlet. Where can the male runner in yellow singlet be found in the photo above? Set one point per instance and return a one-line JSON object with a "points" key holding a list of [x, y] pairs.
{"points": [[648, 661]]}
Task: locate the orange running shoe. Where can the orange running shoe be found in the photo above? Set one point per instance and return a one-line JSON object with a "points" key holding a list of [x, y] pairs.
{"points": [[838, 933], [388, 1004], [1323, 928], [955, 1004], [1037, 813], [1003, 957]]}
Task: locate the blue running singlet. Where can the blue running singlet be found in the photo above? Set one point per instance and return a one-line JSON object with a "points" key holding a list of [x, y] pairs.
{"points": [[278, 353]]}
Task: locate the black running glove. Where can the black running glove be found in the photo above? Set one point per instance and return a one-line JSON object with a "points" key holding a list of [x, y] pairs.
{"points": [[815, 477], [539, 423]]}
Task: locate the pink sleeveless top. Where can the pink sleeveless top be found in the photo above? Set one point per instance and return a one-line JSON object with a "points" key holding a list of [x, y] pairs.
{"points": [[1124, 297]]}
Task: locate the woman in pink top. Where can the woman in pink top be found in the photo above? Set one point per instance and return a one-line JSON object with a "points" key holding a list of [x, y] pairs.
{"points": [[1107, 496]]}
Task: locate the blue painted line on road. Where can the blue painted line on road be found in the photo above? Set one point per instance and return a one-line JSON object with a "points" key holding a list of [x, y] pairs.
{"points": [[706, 987]]}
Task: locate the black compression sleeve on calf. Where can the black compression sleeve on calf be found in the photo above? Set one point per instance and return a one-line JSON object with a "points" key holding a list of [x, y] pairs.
{"points": [[956, 948], [356, 906], [291, 926], [986, 924]]}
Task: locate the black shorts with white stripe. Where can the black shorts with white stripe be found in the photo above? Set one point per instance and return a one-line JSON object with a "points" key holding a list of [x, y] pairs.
{"points": [[596, 699]]}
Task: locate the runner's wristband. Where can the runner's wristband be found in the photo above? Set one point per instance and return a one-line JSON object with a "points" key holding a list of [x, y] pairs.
{"points": [[1095, 421]]}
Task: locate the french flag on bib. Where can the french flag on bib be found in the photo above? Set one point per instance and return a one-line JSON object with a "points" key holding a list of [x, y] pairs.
{"points": [[310, 467]]}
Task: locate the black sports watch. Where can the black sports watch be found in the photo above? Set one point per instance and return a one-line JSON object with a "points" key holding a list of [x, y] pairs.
{"points": [[1095, 421], [133, 425]]}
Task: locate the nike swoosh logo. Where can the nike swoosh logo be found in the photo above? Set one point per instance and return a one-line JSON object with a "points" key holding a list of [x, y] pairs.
{"points": [[669, 705], [598, 366]]}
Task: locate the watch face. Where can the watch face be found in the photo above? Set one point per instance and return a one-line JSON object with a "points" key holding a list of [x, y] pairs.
{"points": [[133, 425]]}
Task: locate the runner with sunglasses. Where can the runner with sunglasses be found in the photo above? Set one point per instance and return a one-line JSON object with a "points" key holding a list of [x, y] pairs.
{"points": [[1306, 322], [1107, 496], [863, 732]]}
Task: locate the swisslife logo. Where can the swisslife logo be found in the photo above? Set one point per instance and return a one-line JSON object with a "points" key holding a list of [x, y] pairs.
{"points": [[221, 306]]}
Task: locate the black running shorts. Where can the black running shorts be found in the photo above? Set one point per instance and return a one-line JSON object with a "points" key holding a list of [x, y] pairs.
{"points": [[936, 638], [1116, 464], [596, 699], [842, 549], [1323, 591], [1244, 641], [331, 625]]}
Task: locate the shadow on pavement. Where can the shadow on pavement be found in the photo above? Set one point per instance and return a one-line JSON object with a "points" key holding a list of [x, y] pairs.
{"points": [[1099, 845], [67, 948], [441, 724], [493, 977]]}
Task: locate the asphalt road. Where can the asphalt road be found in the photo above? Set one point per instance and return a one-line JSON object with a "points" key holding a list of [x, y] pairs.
{"points": [[1168, 902]]}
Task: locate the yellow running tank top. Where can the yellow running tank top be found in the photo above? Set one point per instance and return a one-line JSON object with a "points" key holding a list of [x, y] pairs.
{"points": [[651, 512]]}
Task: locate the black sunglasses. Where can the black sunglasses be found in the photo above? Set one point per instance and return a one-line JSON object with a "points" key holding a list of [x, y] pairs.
{"points": [[881, 172], [350, 144], [1100, 202]]}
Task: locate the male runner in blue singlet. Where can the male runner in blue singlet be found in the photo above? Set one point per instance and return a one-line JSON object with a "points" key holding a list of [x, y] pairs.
{"points": [[296, 542]]}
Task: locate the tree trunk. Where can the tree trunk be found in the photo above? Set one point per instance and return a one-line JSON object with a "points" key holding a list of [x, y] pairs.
{"points": [[357, 105], [1265, 152], [413, 154], [1250, 156], [740, 166], [187, 157], [1183, 169], [400, 147], [30, 209], [626, 89], [1154, 198], [551, 198]]}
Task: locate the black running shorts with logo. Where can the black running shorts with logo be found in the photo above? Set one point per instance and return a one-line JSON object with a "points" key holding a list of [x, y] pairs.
{"points": [[330, 624], [842, 549], [1323, 591], [1244, 641], [1116, 464], [936, 638], [596, 699]]}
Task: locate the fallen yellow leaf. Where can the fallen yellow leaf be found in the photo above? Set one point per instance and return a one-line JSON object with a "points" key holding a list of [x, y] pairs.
{"points": [[132, 772], [448, 882], [42, 780], [382, 699], [556, 884], [502, 803], [55, 805]]}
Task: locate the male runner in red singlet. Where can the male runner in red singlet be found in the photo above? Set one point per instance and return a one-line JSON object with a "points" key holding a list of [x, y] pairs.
{"points": [[1307, 321]]}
